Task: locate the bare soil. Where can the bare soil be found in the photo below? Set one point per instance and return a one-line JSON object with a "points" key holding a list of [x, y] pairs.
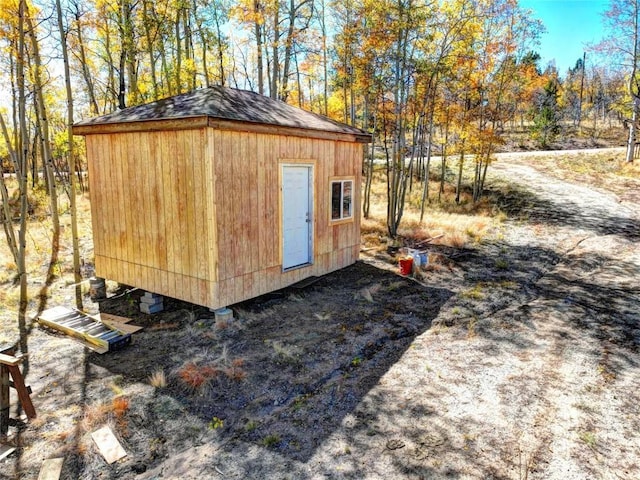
{"points": [[513, 358]]}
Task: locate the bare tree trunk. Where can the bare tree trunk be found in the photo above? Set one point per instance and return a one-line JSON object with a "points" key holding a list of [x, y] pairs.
{"points": [[425, 192], [178, 55], [150, 51], [49, 168], [14, 104], [128, 45], [204, 44], [166, 74], [223, 79], [399, 172], [111, 75], [631, 141], [298, 82], [122, 86], [188, 47], [275, 67], [443, 170], [288, 45], [584, 60], [7, 217], [257, 6], [72, 163], [460, 167], [21, 173], [634, 88], [369, 165], [289, 41], [352, 100], [325, 80], [86, 75]]}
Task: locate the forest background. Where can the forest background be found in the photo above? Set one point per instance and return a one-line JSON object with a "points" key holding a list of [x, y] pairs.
{"points": [[456, 79]]}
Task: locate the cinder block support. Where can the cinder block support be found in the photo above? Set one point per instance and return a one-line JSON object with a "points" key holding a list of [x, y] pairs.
{"points": [[151, 303]]}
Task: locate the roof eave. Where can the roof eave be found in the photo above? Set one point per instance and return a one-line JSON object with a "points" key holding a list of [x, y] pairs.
{"points": [[187, 123], [235, 125], [153, 125]]}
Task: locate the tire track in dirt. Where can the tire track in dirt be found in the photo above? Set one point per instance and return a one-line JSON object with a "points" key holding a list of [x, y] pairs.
{"points": [[529, 389], [593, 288]]}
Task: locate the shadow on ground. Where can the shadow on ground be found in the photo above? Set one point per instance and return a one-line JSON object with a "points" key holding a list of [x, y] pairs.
{"points": [[526, 205], [291, 365]]}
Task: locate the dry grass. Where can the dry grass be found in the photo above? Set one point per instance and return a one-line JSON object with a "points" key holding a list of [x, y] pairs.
{"points": [[195, 376], [465, 223], [38, 246], [600, 169], [120, 405], [456, 225], [164, 326], [286, 352], [158, 379], [94, 415], [235, 371], [199, 374]]}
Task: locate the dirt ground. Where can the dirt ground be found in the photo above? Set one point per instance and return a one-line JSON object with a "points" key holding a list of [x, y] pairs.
{"points": [[513, 358]]}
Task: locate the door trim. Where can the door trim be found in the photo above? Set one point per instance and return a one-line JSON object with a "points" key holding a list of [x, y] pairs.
{"points": [[311, 164]]}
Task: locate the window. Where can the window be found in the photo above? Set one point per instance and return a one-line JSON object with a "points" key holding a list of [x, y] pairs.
{"points": [[341, 199]]}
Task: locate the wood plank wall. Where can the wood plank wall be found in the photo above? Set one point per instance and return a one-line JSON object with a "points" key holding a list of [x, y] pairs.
{"points": [[193, 214], [249, 239], [151, 211]]}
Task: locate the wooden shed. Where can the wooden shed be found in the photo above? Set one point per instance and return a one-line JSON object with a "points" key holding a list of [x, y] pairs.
{"points": [[221, 195]]}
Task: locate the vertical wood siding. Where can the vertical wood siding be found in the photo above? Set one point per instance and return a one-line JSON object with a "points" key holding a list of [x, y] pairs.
{"points": [[194, 214]]}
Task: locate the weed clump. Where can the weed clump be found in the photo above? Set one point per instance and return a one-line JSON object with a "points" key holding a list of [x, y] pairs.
{"points": [[158, 379], [196, 375], [270, 441]]}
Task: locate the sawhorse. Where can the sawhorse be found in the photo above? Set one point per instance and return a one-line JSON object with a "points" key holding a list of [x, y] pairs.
{"points": [[11, 376]]}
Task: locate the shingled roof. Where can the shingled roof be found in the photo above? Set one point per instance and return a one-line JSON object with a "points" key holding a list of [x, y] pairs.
{"points": [[226, 104]]}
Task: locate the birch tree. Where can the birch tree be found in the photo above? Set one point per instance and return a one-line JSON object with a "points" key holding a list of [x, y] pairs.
{"points": [[71, 159], [622, 21]]}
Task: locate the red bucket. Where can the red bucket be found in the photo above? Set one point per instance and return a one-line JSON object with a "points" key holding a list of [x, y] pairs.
{"points": [[406, 265]]}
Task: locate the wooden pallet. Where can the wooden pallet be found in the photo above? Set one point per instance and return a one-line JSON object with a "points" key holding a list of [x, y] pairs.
{"points": [[89, 330]]}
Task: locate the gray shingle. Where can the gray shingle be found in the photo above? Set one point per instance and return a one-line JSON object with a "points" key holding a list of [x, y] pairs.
{"points": [[226, 104]]}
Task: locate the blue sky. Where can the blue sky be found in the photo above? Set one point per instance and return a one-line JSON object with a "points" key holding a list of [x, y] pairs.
{"points": [[570, 25]]}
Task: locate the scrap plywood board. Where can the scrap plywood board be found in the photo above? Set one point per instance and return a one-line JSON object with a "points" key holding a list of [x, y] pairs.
{"points": [[51, 469], [108, 444], [117, 322], [110, 317], [123, 327]]}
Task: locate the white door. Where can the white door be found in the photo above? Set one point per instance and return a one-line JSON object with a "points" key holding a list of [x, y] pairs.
{"points": [[297, 221]]}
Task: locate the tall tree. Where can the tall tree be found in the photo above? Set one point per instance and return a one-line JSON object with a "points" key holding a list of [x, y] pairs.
{"points": [[72, 159], [80, 52], [622, 21], [21, 172], [299, 16], [45, 141]]}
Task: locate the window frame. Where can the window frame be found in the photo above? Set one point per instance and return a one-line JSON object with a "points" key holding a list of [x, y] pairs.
{"points": [[342, 181]]}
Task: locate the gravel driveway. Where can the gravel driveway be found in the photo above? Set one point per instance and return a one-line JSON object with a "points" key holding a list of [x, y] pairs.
{"points": [[530, 370]]}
